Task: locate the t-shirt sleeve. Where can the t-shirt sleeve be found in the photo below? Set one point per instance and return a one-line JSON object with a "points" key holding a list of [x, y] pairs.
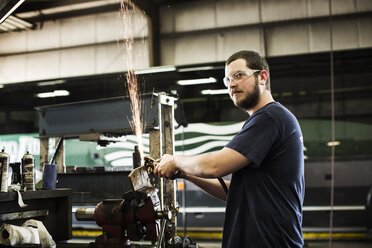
{"points": [[255, 139]]}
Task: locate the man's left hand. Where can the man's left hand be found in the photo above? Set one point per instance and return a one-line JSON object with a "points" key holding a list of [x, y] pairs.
{"points": [[166, 167]]}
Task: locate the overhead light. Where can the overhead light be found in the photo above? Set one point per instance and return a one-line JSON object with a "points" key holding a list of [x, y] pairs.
{"points": [[215, 92], [209, 80], [155, 70], [200, 68], [15, 24], [54, 82], [333, 143], [8, 8], [53, 94], [18, 22]]}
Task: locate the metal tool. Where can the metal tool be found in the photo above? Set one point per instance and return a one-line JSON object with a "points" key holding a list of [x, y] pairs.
{"points": [[150, 164]]}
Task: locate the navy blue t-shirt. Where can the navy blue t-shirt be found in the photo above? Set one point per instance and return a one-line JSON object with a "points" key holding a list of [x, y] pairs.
{"points": [[264, 202]]}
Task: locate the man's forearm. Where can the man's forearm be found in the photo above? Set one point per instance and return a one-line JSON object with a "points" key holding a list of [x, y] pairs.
{"points": [[211, 165], [202, 165], [210, 186]]}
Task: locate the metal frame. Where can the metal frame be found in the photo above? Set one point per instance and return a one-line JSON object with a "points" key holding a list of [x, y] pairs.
{"points": [[107, 116]]}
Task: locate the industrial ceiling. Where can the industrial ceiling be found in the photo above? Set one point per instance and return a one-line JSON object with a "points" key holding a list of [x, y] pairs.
{"points": [[294, 73]]}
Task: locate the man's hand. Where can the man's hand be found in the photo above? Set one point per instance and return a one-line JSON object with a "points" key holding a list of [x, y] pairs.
{"points": [[166, 167]]}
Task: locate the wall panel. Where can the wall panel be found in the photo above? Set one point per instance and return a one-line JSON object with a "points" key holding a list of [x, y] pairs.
{"points": [[195, 49], [293, 39], [232, 41], [42, 65], [191, 32]]}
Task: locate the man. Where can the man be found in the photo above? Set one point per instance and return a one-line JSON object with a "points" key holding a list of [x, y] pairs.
{"points": [[266, 191]]}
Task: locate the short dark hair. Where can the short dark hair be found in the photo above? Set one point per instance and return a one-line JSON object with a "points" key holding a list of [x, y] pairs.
{"points": [[254, 61]]}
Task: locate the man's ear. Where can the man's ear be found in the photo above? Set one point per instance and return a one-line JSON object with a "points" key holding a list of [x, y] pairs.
{"points": [[261, 80], [262, 77]]}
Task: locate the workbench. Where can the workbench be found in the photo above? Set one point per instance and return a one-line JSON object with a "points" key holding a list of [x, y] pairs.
{"points": [[52, 207]]}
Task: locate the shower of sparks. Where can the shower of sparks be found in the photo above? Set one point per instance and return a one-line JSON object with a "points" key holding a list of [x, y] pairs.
{"points": [[127, 12]]}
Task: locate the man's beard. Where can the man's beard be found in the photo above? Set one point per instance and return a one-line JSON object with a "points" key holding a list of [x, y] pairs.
{"points": [[250, 100]]}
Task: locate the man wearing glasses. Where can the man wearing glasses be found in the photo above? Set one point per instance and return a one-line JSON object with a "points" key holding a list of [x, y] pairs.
{"points": [[266, 191]]}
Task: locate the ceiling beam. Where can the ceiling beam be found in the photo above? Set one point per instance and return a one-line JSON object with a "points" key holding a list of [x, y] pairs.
{"points": [[36, 5], [74, 13]]}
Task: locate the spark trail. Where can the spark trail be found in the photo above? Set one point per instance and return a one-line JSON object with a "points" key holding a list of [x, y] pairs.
{"points": [[127, 13]]}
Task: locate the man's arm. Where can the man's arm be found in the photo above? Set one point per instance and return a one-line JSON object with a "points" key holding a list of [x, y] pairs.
{"points": [[211, 186], [208, 165]]}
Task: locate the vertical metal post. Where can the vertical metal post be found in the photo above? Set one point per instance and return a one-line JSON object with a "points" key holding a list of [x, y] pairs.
{"points": [[161, 141], [154, 146], [167, 146], [44, 152], [60, 156]]}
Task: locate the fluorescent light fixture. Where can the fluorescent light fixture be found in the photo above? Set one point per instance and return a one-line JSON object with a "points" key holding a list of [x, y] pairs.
{"points": [[3, 28], [333, 143], [19, 22], [200, 68], [215, 92], [54, 82], [155, 70], [53, 94], [9, 8], [209, 80], [14, 24]]}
